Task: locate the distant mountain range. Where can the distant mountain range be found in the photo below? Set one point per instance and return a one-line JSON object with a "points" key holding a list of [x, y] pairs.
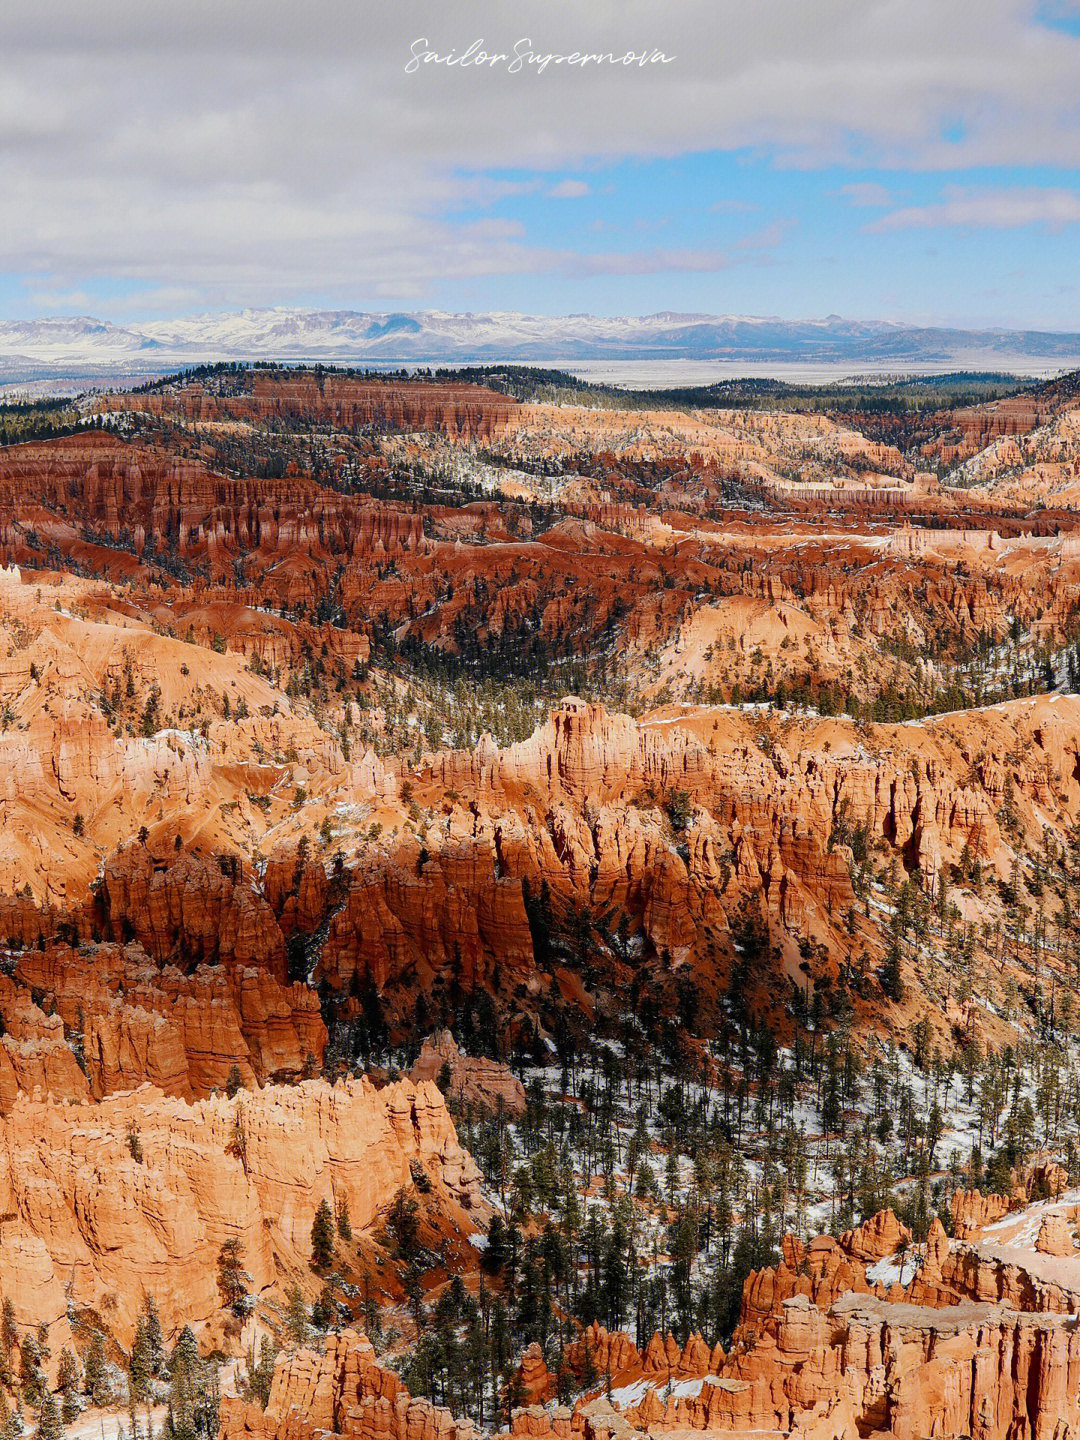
{"points": [[91, 346]]}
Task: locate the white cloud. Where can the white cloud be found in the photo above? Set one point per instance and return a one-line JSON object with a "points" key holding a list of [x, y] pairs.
{"points": [[768, 237], [992, 209], [866, 193], [569, 190], [253, 152], [644, 262]]}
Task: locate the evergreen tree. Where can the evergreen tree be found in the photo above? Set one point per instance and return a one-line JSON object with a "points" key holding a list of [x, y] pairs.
{"points": [[193, 1392], [31, 1374], [261, 1373], [324, 1311], [10, 1425], [891, 978], [322, 1237], [50, 1426], [68, 1376], [496, 1253], [403, 1223], [95, 1374], [232, 1281], [296, 1317]]}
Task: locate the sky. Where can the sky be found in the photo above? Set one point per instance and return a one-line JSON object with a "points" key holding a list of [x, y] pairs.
{"points": [[912, 160]]}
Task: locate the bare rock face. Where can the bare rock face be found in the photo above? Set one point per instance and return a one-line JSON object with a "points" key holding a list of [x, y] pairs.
{"points": [[1037, 1178], [971, 1210], [96, 479], [458, 411], [183, 1034], [45, 1066], [192, 908], [536, 1381], [137, 1194], [479, 1081], [820, 1271], [600, 1352], [1055, 1237], [33, 1052], [881, 1235], [343, 1391]]}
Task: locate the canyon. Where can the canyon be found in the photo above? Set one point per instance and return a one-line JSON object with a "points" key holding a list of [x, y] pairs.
{"points": [[136, 1195], [481, 872], [980, 1341]]}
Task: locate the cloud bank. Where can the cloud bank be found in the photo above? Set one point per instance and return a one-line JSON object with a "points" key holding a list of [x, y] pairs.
{"points": [[252, 152]]}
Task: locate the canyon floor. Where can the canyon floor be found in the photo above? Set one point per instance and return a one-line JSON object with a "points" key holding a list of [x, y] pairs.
{"points": [[526, 910]]}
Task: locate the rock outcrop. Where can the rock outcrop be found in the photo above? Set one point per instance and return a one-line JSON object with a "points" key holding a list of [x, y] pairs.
{"points": [[136, 1195], [462, 412], [343, 1391], [138, 1023], [536, 1382], [474, 1079]]}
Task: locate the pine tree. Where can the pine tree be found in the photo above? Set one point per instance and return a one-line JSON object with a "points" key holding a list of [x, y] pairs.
{"points": [[68, 1375], [10, 1425], [95, 1374], [185, 1355], [496, 1253], [134, 1143], [324, 1311], [50, 1425], [67, 1372], [154, 1338], [322, 1237], [231, 1277], [183, 1378], [892, 981], [296, 1318], [261, 1373], [30, 1374], [139, 1362], [370, 1308], [403, 1223]]}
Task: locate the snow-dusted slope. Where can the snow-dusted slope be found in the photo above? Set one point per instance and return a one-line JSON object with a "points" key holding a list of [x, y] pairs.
{"points": [[435, 336]]}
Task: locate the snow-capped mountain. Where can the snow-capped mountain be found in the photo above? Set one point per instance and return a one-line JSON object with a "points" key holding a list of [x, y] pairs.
{"points": [[433, 336]]}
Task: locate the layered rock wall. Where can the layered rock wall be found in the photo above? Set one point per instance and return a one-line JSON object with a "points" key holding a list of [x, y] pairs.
{"points": [[106, 1203]]}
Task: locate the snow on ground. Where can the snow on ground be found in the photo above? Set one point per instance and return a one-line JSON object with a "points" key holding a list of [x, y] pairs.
{"points": [[625, 1396], [889, 1271], [681, 1389]]}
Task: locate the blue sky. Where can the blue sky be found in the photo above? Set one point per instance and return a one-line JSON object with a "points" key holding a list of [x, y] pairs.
{"points": [[794, 242], [917, 161]]}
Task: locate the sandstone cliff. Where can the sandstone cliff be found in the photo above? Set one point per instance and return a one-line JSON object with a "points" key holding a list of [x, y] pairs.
{"points": [[183, 1034], [472, 1079], [105, 1203]]}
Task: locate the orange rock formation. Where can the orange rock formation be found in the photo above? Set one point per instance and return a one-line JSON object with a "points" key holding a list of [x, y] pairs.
{"points": [[93, 1216], [475, 1080]]}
